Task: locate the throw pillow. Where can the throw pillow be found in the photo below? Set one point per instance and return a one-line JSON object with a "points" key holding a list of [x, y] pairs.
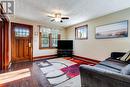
{"points": [[126, 70], [124, 58], [128, 58]]}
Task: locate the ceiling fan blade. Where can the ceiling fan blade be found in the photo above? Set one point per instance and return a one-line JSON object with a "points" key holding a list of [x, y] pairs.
{"points": [[52, 20], [51, 16], [65, 18]]}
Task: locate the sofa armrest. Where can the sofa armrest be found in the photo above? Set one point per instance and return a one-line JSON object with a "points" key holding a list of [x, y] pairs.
{"points": [[96, 71], [115, 55]]}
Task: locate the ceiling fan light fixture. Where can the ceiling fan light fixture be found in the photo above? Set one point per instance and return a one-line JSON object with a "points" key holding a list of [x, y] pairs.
{"points": [[57, 19]]}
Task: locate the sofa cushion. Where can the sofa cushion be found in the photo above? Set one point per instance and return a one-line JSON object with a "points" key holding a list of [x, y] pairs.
{"points": [[126, 70], [97, 69], [107, 68], [114, 64]]}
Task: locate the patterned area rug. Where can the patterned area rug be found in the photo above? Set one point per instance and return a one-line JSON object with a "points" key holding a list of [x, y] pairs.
{"points": [[72, 70], [59, 71]]}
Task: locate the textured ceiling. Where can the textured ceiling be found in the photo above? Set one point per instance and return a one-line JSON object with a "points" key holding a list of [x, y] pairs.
{"points": [[77, 10]]}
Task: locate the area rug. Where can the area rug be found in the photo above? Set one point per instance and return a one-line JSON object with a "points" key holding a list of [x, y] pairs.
{"points": [[72, 70], [79, 62], [59, 71]]}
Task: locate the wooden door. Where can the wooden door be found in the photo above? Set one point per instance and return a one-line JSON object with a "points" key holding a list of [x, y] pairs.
{"points": [[21, 42]]}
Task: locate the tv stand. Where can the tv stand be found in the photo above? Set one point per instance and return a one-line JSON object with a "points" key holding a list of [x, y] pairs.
{"points": [[65, 53]]}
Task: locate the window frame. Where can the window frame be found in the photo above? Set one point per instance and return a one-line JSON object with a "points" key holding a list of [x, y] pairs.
{"points": [[50, 41], [58, 38], [79, 28]]}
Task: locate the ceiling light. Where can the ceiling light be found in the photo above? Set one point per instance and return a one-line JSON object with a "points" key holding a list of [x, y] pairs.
{"points": [[57, 19]]}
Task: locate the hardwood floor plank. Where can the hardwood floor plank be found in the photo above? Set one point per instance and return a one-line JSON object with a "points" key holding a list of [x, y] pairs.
{"points": [[37, 79]]}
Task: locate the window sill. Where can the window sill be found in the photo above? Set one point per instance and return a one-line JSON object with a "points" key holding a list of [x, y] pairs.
{"points": [[47, 48], [81, 38]]}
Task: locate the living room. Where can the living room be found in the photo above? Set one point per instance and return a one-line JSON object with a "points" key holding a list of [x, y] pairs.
{"points": [[58, 43]]}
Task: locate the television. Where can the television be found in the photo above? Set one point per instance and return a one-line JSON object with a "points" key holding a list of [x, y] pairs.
{"points": [[65, 44]]}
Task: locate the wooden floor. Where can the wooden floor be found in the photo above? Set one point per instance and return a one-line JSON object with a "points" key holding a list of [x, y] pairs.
{"points": [[36, 79]]}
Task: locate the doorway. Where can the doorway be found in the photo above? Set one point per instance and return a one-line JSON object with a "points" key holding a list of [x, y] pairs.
{"points": [[21, 42]]}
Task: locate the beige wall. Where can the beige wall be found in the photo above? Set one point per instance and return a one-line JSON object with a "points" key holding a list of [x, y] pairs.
{"points": [[100, 49], [36, 50]]}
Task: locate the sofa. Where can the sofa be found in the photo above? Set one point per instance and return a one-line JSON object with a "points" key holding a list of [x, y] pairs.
{"points": [[111, 72]]}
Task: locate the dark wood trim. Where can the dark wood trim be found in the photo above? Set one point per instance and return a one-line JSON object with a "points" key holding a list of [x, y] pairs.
{"points": [[59, 36], [45, 57], [86, 59], [0, 45], [39, 39], [47, 48], [6, 45], [21, 24], [50, 40], [76, 33], [4, 39]]}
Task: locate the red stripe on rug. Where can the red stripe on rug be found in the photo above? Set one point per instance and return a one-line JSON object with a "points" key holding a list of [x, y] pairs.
{"points": [[72, 71]]}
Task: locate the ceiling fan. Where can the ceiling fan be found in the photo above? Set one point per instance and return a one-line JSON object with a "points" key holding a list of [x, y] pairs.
{"points": [[58, 17]]}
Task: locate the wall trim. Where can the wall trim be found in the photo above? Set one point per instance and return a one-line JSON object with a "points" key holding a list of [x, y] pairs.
{"points": [[10, 63], [86, 59], [44, 57]]}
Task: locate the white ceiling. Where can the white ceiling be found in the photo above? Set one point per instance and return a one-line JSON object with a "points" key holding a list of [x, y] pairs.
{"points": [[77, 10]]}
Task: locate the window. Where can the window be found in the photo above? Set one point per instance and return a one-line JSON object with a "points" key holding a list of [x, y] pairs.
{"points": [[55, 37], [21, 32], [48, 38], [81, 32]]}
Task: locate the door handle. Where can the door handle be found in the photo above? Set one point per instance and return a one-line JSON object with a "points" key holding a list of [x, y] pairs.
{"points": [[30, 45]]}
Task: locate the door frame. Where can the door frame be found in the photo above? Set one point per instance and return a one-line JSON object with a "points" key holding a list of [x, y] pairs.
{"points": [[5, 39], [24, 25]]}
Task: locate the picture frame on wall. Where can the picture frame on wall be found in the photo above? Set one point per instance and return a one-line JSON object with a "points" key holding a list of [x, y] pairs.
{"points": [[81, 32], [113, 30]]}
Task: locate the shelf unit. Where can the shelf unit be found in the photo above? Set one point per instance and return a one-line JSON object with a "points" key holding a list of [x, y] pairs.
{"points": [[65, 52]]}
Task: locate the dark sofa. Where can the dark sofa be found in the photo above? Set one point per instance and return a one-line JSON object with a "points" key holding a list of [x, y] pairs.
{"points": [[107, 73]]}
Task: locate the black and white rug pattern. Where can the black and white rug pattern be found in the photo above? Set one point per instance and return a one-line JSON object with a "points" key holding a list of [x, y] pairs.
{"points": [[52, 71]]}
